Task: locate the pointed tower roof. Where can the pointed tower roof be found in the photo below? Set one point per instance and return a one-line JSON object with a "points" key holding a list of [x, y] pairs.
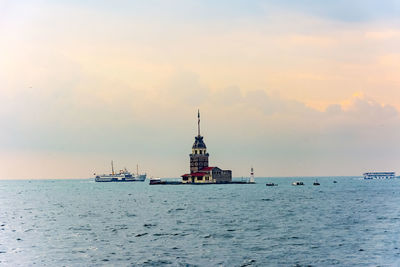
{"points": [[198, 142]]}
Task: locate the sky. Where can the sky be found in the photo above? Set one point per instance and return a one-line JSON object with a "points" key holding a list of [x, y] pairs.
{"points": [[292, 88]]}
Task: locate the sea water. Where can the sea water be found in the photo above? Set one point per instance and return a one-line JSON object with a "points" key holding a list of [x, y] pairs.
{"points": [[353, 222]]}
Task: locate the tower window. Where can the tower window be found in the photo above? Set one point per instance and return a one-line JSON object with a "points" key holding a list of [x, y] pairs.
{"points": [[195, 152], [201, 152]]}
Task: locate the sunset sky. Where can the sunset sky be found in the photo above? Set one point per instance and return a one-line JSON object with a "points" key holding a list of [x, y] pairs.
{"points": [[293, 88]]}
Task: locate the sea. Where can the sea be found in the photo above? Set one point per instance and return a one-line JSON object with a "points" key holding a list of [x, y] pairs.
{"points": [[353, 222]]}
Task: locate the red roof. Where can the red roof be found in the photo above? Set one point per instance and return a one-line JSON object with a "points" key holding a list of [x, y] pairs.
{"points": [[195, 174], [198, 174], [207, 168]]}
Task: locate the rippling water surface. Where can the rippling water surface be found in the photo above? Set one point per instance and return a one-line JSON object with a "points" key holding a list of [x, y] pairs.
{"points": [[80, 222]]}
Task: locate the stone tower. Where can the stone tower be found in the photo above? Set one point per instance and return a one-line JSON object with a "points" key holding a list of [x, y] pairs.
{"points": [[199, 156]]}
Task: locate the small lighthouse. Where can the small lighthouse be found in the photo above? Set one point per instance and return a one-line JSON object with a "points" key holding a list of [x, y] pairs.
{"points": [[251, 180]]}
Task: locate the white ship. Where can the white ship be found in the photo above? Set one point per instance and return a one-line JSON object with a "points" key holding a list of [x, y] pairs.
{"points": [[379, 175], [123, 176]]}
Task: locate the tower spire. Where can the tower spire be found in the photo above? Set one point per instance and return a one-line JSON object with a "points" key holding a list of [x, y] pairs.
{"points": [[198, 122]]}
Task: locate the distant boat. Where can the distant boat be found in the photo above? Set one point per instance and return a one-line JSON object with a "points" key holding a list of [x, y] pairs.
{"points": [[156, 181], [316, 182], [123, 176], [379, 175], [297, 183], [271, 184], [334, 182]]}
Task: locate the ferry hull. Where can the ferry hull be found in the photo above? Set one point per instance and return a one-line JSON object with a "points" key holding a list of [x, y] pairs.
{"points": [[105, 179]]}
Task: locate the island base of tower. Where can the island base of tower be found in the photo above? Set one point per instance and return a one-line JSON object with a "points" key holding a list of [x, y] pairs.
{"points": [[164, 182]]}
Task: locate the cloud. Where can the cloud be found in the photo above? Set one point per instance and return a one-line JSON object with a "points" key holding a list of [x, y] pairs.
{"points": [[184, 88], [310, 40], [354, 11], [95, 118], [383, 35]]}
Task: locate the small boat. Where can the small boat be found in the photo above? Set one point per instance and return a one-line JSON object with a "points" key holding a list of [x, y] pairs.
{"points": [[297, 183], [271, 184], [156, 181], [316, 182], [334, 182]]}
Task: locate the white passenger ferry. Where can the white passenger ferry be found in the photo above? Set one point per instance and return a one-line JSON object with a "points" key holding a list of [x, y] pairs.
{"points": [[123, 176], [379, 175]]}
